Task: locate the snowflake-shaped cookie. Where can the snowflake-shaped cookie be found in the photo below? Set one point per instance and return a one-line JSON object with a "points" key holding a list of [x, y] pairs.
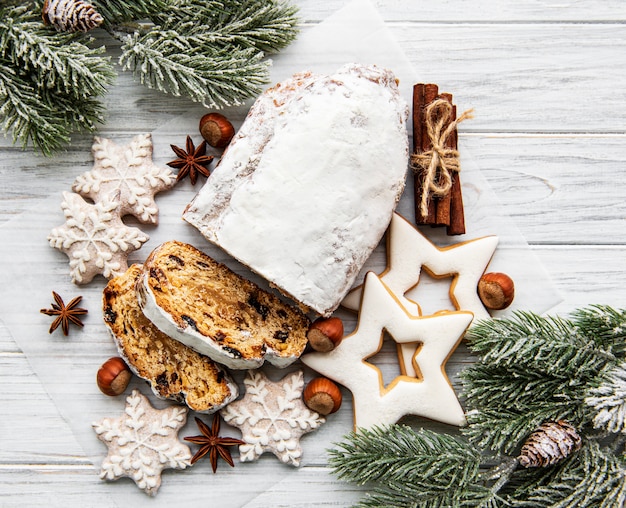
{"points": [[95, 238], [272, 417], [143, 442], [130, 170]]}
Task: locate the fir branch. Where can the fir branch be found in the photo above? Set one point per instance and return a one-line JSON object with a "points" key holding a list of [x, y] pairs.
{"points": [[24, 115], [533, 369], [210, 51], [165, 61], [607, 400], [606, 325], [267, 26], [57, 60], [552, 345], [416, 468], [503, 430], [45, 118], [50, 82]]}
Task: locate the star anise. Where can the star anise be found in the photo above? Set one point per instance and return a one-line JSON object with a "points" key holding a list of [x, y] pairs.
{"points": [[66, 314], [191, 161], [212, 443]]}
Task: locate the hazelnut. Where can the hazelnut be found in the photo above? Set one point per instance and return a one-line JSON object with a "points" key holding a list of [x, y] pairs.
{"points": [[496, 290], [325, 334], [113, 377], [216, 129], [322, 396]]}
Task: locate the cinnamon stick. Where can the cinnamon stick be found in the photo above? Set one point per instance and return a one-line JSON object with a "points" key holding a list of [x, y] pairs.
{"points": [[457, 213], [422, 96], [442, 210], [443, 202]]}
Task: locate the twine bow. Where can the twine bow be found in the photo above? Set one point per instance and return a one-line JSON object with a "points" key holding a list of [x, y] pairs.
{"points": [[439, 157]]}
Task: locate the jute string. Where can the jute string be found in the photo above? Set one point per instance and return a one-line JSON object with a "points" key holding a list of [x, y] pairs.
{"points": [[439, 159]]}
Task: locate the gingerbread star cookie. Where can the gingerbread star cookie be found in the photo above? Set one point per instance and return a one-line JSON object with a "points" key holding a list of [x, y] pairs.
{"points": [[143, 442], [428, 393], [272, 417], [409, 251], [94, 238], [130, 170]]}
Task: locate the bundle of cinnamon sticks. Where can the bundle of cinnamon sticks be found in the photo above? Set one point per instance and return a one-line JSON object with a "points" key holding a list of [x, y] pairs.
{"points": [[443, 210]]}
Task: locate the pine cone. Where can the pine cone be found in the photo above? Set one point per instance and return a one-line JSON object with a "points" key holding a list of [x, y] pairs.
{"points": [[549, 444], [71, 15]]}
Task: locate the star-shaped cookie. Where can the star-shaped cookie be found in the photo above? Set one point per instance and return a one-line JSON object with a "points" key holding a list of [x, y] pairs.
{"points": [[272, 417], [143, 442], [94, 238], [130, 170], [408, 251], [427, 394]]}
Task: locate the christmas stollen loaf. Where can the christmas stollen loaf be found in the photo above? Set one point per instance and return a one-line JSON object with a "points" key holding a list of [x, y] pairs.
{"points": [[173, 370], [306, 189], [203, 304]]}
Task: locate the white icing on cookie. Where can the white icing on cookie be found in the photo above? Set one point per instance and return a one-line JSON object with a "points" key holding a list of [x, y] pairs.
{"points": [[306, 189], [143, 442], [130, 170], [94, 237], [408, 250], [272, 417], [429, 395]]}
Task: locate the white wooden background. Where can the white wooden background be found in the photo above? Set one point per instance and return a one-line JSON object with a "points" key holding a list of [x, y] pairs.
{"points": [[547, 79]]}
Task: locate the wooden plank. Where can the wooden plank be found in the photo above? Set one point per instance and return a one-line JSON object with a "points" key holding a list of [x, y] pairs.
{"points": [[530, 69], [558, 189], [454, 11], [547, 77]]}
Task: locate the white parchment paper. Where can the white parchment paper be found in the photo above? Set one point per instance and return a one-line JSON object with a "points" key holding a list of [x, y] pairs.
{"points": [[67, 365]]}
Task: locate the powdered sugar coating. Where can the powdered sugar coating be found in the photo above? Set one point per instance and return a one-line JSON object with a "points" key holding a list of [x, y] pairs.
{"points": [[306, 189]]}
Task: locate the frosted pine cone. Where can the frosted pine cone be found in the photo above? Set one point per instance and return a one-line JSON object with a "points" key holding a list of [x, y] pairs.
{"points": [[71, 15], [549, 444]]}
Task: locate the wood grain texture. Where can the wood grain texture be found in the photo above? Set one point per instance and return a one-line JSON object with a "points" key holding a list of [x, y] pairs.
{"points": [[546, 82]]}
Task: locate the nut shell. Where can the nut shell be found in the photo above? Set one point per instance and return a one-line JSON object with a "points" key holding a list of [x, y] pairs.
{"points": [[322, 396], [216, 129], [325, 334], [496, 290], [113, 376]]}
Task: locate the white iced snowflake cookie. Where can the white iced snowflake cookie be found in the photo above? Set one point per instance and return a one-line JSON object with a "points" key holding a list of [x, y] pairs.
{"points": [[94, 238], [130, 170], [433, 339], [143, 442], [272, 417]]}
